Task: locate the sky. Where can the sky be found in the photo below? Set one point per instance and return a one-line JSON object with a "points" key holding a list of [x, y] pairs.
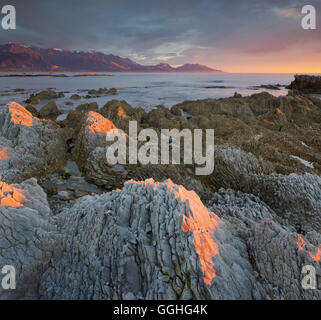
{"points": [[232, 35]]}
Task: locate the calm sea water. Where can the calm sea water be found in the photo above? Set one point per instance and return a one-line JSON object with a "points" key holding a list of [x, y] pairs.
{"points": [[145, 89]]}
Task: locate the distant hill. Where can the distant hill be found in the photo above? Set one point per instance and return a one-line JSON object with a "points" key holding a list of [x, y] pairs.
{"points": [[195, 68], [19, 58]]}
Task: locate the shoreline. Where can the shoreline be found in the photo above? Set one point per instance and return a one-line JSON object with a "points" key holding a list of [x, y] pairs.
{"points": [[77, 210]]}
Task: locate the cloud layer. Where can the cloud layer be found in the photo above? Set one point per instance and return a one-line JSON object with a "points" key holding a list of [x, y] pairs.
{"points": [[234, 35]]}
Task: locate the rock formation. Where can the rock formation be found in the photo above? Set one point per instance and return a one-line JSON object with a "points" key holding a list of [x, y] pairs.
{"points": [[243, 232], [44, 95], [50, 111], [306, 84], [154, 240], [27, 239], [32, 147]]}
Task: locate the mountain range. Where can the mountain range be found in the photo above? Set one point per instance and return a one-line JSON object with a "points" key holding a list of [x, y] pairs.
{"points": [[20, 58]]}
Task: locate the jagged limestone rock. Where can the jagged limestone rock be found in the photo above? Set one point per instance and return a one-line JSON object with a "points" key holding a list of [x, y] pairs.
{"points": [[144, 242], [34, 147], [274, 249], [157, 241], [294, 197], [27, 240], [90, 155]]}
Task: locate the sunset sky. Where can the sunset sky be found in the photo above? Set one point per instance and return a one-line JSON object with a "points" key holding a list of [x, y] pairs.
{"points": [[233, 35]]}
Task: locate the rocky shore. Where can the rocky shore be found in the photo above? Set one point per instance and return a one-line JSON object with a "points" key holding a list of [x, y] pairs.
{"points": [[75, 227], [306, 84]]}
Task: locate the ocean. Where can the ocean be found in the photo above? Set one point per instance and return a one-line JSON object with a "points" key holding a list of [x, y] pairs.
{"points": [[146, 90]]}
